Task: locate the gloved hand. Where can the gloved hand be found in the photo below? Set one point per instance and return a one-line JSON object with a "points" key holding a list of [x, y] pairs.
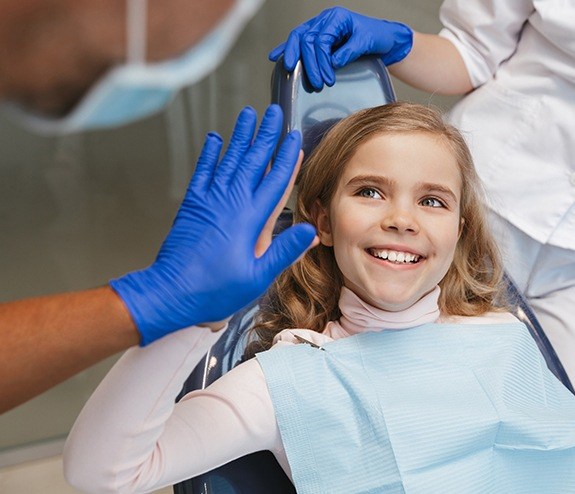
{"points": [[338, 36], [206, 268]]}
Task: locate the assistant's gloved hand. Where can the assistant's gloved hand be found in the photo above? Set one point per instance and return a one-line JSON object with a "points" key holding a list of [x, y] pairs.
{"points": [[206, 268], [338, 36]]}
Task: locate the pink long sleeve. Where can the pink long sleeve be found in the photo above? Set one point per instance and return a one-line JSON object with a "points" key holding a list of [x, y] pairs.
{"points": [[131, 437]]}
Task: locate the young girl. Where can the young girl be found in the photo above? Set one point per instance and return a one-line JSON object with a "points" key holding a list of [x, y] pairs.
{"points": [[412, 382]]}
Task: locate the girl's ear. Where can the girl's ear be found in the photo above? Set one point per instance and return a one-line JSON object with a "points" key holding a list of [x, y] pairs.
{"points": [[322, 223], [461, 225]]}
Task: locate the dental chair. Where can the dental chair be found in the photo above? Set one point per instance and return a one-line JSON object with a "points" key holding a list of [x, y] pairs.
{"points": [[361, 84]]}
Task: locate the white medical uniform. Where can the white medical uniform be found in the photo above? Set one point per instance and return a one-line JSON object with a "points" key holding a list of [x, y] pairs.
{"points": [[520, 126]]}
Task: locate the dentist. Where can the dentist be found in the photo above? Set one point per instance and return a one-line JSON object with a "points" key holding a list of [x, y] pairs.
{"points": [[218, 255]]}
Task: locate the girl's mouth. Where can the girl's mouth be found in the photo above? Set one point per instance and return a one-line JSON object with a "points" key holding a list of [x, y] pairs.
{"points": [[395, 256]]}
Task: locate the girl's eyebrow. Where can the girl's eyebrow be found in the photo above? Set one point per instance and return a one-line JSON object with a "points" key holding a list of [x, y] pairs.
{"points": [[359, 180], [382, 181], [437, 188]]}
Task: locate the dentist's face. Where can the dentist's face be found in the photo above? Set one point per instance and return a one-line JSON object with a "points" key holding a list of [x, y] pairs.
{"points": [[394, 220], [53, 51]]}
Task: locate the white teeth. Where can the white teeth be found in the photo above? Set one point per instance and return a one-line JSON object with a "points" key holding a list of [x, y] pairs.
{"points": [[395, 256]]}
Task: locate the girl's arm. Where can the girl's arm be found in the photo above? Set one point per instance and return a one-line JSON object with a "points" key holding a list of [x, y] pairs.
{"points": [[131, 437]]}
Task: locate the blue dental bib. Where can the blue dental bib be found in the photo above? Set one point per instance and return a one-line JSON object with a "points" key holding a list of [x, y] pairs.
{"points": [[434, 409]]}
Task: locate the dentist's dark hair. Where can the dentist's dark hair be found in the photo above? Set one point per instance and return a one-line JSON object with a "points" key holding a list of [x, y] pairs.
{"points": [[307, 294]]}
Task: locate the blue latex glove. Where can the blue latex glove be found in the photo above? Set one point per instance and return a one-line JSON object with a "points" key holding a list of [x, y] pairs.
{"points": [[337, 37], [206, 268]]}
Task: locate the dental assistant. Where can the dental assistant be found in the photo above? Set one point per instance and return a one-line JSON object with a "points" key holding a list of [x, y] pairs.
{"points": [[219, 247], [514, 62]]}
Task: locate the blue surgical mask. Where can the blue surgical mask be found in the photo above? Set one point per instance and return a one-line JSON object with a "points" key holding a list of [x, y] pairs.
{"points": [[137, 89]]}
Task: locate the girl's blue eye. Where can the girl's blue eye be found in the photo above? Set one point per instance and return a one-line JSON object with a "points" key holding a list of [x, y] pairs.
{"points": [[370, 193], [432, 202]]}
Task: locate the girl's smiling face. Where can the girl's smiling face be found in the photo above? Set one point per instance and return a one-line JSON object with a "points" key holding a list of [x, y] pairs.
{"points": [[394, 220]]}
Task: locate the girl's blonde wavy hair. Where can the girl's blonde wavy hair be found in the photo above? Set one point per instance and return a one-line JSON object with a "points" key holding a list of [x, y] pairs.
{"points": [[307, 294]]}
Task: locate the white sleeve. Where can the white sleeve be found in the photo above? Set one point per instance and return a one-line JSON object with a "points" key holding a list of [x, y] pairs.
{"points": [[131, 437], [485, 32]]}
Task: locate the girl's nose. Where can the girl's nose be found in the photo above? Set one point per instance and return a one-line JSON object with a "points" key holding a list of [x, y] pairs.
{"points": [[400, 220]]}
